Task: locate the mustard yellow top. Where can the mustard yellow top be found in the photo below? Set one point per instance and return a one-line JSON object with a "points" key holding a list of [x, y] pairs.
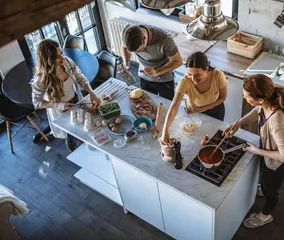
{"points": [[195, 98]]}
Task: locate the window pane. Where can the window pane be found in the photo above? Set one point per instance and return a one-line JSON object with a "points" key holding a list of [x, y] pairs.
{"points": [[33, 39], [72, 23], [85, 17], [91, 41], [50, 32]]}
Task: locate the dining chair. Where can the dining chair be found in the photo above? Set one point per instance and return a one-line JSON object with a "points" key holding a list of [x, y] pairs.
{"points": [[10, 112], [107, 68], [72, 41]]}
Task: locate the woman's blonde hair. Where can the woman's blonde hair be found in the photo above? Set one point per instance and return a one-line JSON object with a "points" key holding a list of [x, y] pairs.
{"points": [[46, 69]]}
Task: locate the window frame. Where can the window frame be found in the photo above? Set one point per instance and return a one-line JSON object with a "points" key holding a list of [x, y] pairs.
{"points": [[62, 30]]}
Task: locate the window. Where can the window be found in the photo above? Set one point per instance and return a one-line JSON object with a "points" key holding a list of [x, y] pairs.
{"points": [[33, 39], [80, 23]]}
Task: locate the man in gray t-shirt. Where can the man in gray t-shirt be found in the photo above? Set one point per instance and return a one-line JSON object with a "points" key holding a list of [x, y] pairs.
{"points": [[158, 56]]}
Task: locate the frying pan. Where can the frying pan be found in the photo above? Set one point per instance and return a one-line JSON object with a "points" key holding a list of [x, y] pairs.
{"points": [[208, 160]]}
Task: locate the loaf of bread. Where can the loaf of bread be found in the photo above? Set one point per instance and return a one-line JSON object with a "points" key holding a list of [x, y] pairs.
{"points": [[136, 93]]}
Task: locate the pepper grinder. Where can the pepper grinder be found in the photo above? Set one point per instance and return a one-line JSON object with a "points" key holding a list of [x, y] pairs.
{"points": [[178, 157]]}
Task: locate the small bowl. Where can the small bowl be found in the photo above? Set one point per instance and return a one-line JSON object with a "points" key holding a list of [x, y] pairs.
{"points": [[119, 143], [130, 135], [140, 120]]}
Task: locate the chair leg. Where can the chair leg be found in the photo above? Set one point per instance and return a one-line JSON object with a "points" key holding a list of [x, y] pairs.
{"points": [[37, 128], [38, 116], [9, 136]]}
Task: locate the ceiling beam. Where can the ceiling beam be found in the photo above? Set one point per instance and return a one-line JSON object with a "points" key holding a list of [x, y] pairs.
{"points": [[19, 17]]}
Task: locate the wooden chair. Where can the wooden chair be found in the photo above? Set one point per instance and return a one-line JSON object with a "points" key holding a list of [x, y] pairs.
{"points": [[10, 112]]}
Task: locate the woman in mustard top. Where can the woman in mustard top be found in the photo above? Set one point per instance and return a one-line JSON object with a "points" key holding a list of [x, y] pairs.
{"points": [[206, 90]]}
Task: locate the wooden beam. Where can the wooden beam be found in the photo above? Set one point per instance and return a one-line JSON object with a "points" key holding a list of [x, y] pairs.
{"points": [[19, 17]]}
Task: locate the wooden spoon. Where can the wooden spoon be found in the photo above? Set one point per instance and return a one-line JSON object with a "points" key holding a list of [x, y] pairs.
{"points": [[224, 137]]}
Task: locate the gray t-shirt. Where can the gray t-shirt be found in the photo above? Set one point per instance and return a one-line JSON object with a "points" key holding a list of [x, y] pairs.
{"points": [[160, 47]]}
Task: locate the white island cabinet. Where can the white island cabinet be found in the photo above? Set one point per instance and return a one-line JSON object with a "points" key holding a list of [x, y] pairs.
{"points": [[139, 193], [184, 217]]}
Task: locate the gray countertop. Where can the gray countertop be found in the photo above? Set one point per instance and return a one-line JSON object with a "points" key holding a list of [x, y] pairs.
{"points": [[267, 64], [146, 157]]}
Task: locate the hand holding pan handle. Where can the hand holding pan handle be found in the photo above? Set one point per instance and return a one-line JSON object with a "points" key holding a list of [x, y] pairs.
{"points": [[235, 148]]}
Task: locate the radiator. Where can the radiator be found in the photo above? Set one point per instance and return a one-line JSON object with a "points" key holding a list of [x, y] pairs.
{"points": [[116, 26]]}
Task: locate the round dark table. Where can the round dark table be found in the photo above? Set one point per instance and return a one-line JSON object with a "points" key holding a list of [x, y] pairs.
{"points": [[16, 85]]}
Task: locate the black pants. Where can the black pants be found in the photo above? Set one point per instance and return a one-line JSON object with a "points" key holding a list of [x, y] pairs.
{"points": [[164, 89], [217, 112], [271, 182]]}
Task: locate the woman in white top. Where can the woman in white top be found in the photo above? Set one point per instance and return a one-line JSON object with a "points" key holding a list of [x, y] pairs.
{"points": [[57, 85]]}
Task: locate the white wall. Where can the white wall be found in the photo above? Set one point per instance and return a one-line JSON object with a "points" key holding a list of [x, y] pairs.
{"points": [[109, 11], [260, 21], [10, 56]]}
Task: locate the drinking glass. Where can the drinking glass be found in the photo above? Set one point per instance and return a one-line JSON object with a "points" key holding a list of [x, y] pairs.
{"points": [[143, 138]]}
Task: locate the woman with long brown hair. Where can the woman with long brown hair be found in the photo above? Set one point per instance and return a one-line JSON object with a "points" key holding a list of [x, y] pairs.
{"points": [[57, 85], [205, 88], [259, 91]]}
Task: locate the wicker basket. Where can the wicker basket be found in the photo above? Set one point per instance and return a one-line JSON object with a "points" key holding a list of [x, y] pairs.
{"points": [[245, 44]]}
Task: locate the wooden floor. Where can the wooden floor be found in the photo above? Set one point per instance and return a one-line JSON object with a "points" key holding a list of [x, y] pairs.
{"points": [[63, 208], [60, 206]]}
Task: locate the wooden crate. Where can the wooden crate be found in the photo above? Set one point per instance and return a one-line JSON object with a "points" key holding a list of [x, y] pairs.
{"points": [[244, 44], [183, 18]]}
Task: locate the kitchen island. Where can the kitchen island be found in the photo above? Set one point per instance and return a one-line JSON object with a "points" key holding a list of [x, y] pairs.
{"points": [[175, 201]]}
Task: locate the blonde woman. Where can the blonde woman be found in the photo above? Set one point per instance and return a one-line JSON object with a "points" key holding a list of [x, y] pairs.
{"points": [[57, 85]]}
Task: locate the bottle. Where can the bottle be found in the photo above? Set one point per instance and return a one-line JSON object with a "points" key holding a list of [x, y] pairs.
{"points": [[125, 74], [178, 157]]}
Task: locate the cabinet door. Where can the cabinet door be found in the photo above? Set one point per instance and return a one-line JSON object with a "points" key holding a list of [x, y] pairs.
{"points": [[185, 218], [139, 193], [234, 100]]}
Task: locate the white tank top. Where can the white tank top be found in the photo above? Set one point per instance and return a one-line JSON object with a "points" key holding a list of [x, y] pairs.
{"points": [[68, 89]]}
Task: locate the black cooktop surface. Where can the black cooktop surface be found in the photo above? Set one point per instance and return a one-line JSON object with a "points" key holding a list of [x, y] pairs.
{"points": [[217, 175]]}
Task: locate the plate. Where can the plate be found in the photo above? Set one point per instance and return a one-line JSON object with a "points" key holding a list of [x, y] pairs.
{"points": [[143, 107], [126, 124]]}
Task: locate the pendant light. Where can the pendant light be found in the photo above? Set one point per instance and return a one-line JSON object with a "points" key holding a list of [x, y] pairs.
{"points": [[163, 4], [212, 24]]}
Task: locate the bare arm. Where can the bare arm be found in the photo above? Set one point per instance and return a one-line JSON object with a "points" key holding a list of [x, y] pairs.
{"points": [[175, 62], [275, 155], [171, 115], [126, 55], [277, 133], [250, 117]]}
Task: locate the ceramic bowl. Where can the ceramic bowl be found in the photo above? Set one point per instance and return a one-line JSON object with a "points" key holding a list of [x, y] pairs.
{"points": [[142, 120]]}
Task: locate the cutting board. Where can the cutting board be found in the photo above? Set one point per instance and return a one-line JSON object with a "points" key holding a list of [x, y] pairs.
{"points": [[143, 107]]}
